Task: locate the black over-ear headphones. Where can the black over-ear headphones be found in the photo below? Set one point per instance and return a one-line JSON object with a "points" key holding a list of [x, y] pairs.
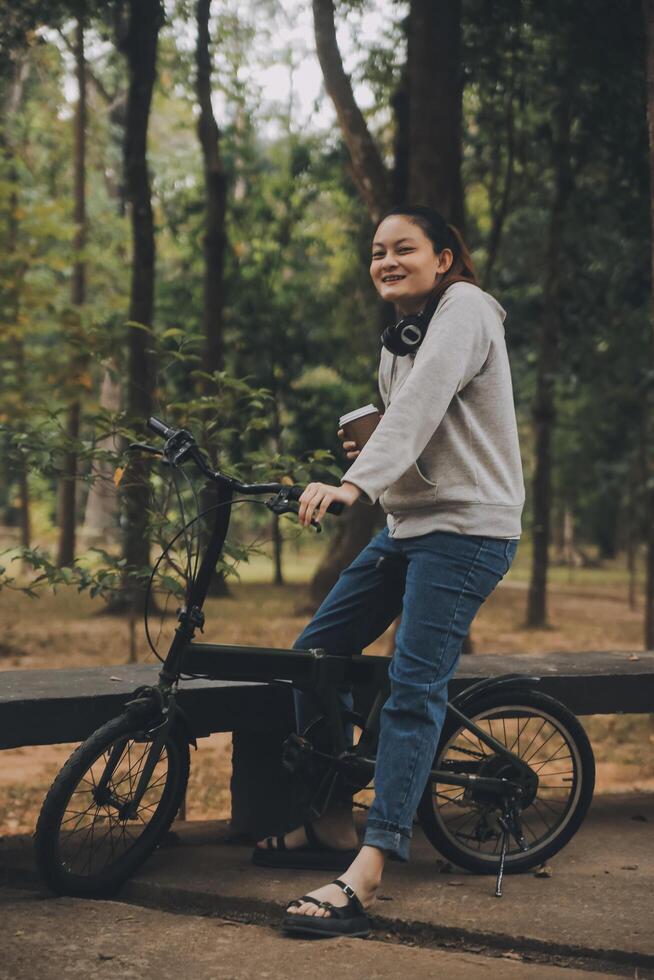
{"points": [[406, 336]]}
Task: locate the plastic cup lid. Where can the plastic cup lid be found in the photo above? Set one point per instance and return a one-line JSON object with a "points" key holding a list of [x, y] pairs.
{"points": [[357, 414]]}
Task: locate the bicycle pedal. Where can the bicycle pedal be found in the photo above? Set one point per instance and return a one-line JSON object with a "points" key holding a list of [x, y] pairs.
{"points": [[297, 753]]}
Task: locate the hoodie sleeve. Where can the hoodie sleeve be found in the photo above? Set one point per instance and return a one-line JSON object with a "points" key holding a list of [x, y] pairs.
{"points": [[455, 349]]}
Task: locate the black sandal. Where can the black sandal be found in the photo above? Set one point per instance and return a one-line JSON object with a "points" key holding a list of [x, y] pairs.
{"points": [[348, 920], [313, 855]]}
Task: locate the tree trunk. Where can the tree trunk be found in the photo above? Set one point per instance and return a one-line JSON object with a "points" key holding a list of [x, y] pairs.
{"points": [[402, 144], [648, 10], [278, 542], [435, 106], [10, 109], [140, 46], [213, 243], [68, 484], [216, 197], [368, 171], [543, 411], [501, 210], [101, 513]]}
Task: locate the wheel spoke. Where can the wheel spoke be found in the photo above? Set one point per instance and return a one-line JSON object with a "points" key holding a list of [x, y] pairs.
{"points": [[539, 739], [92, 834], [544, 722]]}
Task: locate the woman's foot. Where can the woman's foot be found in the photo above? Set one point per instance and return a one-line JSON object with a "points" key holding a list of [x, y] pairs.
{"points": [[335, 830], [363, 876]]}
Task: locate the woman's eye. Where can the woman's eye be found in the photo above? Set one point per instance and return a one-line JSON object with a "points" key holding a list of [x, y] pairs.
{"points": [[378, 255]]}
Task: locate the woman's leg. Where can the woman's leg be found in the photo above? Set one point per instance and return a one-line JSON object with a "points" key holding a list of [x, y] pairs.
{"points": [[448, 578], [362, 604]]}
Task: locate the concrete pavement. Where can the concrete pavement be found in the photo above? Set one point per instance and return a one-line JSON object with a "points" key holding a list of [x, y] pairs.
{"points": [[595, 912], [77, 940]]}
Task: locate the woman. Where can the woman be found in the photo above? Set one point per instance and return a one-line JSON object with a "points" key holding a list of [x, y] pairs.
{"points": [[444, 462]]}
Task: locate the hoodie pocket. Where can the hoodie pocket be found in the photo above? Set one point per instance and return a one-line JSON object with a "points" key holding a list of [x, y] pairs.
{"points": [[412, 491]]}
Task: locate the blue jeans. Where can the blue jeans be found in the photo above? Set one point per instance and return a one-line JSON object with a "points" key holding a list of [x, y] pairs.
{"points": [[438, 581]]}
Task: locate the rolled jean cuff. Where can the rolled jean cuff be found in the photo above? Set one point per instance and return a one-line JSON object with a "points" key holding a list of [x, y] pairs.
{"points": [[388, 838]]}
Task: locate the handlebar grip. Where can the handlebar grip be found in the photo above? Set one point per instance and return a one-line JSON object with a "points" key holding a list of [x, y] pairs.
{"points": [[334, 508], [161, 429]]}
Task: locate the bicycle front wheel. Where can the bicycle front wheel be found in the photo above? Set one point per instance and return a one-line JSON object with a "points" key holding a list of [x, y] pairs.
{"points": [[463, 824], [88, 838]]}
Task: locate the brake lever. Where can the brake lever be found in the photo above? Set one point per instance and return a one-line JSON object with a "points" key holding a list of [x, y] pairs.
{"points": [[144, 447], [280, 504]]}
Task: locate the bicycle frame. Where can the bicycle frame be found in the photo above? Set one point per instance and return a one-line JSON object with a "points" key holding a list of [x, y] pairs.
{"points": [[312, 670]]}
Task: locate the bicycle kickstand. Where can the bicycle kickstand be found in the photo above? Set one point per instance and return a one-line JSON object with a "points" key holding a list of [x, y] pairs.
{"points": [[510, 824], [505, 845]]}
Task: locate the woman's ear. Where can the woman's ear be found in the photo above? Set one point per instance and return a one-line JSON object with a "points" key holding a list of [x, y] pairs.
{"points": [[445, 260]]}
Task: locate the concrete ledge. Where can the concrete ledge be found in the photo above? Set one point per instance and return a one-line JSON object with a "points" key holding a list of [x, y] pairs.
{"points": [[42, 707]]}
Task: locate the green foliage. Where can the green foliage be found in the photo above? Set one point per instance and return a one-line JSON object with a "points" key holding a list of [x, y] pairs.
{"points": [[301, 321]]}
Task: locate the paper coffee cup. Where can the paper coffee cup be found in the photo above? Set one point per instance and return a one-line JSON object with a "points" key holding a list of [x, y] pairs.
{"points": [[360, 424]]}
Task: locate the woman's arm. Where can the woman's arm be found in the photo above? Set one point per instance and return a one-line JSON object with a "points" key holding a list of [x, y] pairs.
{"points": [[454, 351]]}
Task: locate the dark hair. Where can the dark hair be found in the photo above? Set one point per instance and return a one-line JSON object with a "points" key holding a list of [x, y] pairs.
{"points": [[442, 235]]}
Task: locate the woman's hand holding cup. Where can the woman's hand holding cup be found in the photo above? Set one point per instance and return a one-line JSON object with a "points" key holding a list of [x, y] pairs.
{"points": [[355, 428], [350, 448]]}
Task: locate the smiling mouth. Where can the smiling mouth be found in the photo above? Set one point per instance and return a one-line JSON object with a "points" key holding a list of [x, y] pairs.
{"points": [[391, 279]]}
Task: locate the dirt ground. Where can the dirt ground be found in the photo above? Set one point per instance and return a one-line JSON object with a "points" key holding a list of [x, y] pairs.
{"points": [[69, 630]]}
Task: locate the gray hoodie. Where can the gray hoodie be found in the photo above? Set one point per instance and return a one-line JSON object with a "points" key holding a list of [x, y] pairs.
{"points": [[445, 456]]}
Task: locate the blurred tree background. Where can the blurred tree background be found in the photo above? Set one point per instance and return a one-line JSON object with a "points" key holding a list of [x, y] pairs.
{"points": [[176, 238]]}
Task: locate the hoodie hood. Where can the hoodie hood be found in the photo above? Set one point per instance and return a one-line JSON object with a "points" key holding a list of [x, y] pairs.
{"points": [[495, 306]]}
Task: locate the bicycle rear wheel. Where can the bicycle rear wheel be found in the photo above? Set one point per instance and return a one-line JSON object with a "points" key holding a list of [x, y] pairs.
{"points": [[463, 825], [87, 842]]}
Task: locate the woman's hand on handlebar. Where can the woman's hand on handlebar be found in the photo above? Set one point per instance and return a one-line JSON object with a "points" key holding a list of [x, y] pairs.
{"points": [[318, 496]]}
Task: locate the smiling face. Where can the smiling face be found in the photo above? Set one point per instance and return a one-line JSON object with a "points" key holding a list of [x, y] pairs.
{"points": [[404, 266]]}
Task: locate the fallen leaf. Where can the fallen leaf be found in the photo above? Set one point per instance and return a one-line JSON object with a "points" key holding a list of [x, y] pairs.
{"points": [[634, 657], [115, 678], [455, 884], [630, 867], [543, 872]]}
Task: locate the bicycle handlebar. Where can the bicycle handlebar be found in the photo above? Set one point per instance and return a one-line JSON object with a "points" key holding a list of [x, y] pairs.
{"points": [[181, 445], [161, 429]]}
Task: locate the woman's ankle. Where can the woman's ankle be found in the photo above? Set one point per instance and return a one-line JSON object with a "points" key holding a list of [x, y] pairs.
{"points": [[337, 823]]}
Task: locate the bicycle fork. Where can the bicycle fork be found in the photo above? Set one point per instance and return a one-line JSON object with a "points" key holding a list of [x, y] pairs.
{"points": [[102, 794]]}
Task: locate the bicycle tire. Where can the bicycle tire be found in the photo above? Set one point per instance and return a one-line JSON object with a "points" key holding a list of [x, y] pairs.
{"points": [[488, 708], [55, 843]]}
